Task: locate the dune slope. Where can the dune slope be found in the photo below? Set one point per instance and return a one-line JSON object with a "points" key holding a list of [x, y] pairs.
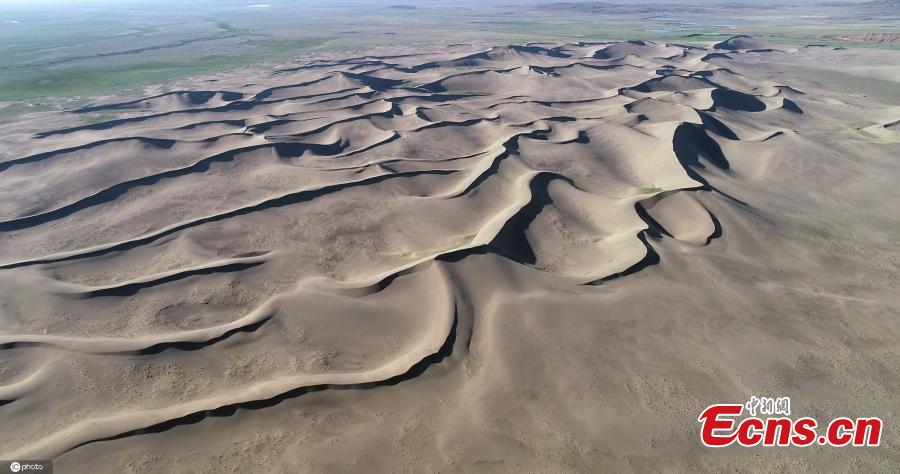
{"points": [[542, 258]]}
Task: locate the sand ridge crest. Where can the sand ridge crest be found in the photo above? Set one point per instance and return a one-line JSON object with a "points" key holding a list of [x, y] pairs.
{"points": [[348, 192]]}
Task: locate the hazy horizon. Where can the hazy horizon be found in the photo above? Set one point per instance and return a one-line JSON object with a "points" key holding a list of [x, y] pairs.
{"points": [[474, 236], [76, 3]]}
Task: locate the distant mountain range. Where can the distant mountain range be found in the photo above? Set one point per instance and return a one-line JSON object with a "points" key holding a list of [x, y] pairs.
{"points": [[888, 38], [645, 8], [879, 4], [619, 8]]}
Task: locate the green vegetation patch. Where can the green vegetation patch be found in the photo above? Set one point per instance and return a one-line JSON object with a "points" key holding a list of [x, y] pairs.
{"points": [[410, 85], [651, 190], [31, 82]]}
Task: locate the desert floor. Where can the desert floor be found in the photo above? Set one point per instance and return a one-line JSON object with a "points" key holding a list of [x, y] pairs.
{"points": [[535, 258]]}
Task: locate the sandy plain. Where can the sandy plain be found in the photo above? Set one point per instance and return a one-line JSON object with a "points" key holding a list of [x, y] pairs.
{"points": [[525, 258]]}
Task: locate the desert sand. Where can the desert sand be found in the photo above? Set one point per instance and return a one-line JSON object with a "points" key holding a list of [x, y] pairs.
{"points": [[527, 258]]}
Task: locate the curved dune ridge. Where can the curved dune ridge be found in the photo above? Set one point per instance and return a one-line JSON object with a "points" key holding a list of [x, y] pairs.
{"points": [[214, 250]]}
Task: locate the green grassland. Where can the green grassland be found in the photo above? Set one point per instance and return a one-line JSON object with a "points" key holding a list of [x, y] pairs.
{"points": [[90, 51], [111, 75]]}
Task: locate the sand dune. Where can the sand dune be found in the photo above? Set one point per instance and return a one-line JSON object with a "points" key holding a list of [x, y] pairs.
{"points": [[742, 42], [538, 258]]}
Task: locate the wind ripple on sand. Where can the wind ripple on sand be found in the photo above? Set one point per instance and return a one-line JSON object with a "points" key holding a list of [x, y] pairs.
{"points": [[340, 186]]}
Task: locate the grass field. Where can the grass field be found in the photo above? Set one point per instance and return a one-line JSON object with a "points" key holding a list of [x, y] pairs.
{"points": [[31, 82], [78, 50]]}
